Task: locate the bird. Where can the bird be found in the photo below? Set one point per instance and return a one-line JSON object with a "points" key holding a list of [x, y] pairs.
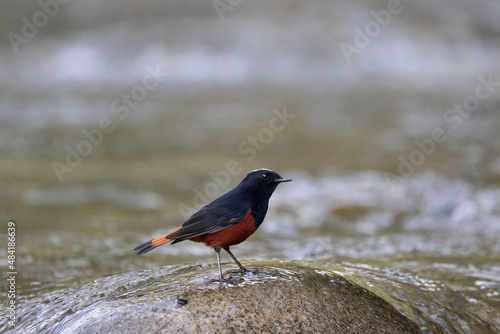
{"points": [[228, 220]]}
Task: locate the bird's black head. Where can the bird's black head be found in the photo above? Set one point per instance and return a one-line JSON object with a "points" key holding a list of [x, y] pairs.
{"points": [[262, 182]]}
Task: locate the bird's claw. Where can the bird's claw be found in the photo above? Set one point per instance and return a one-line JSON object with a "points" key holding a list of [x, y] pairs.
{"points": [[244, 271], [224, 280]]}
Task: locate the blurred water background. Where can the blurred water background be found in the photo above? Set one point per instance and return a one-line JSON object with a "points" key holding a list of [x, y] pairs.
{"points": [[390, 174]]}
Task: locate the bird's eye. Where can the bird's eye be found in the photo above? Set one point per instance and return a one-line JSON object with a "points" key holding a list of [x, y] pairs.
{"points": [[265, 176]]}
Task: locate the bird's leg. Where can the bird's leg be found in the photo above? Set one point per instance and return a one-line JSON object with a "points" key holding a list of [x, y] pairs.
{"points": [[217, 252], [235, 260]]}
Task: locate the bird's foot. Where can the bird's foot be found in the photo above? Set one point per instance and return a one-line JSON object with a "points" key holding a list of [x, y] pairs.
{"points": [[243, 271], [225, 280]]}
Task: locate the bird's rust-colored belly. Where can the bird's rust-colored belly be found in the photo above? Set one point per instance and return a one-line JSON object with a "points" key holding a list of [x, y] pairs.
{"points": [[232, 235]]}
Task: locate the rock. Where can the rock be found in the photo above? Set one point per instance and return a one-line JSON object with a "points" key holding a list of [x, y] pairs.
{"points": [[275, 298]]}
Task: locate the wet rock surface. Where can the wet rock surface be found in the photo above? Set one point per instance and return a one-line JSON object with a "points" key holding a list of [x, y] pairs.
{"points": [[282, 297]]}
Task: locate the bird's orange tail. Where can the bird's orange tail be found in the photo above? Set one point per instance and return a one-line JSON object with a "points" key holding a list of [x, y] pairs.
{"points": [[152, 244]]}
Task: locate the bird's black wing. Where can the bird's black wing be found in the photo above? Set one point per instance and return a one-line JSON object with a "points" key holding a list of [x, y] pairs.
{"points": [[210, 219]]}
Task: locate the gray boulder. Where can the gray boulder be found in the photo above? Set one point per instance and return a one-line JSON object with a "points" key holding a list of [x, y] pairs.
{"points": [[279, 298]]}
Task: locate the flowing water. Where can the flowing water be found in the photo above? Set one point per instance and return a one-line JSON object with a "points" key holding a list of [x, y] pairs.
{"points": [[391, 187]]}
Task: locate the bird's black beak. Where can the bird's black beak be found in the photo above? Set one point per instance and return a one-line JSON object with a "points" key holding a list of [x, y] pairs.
{"points": [[282, 180]]}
